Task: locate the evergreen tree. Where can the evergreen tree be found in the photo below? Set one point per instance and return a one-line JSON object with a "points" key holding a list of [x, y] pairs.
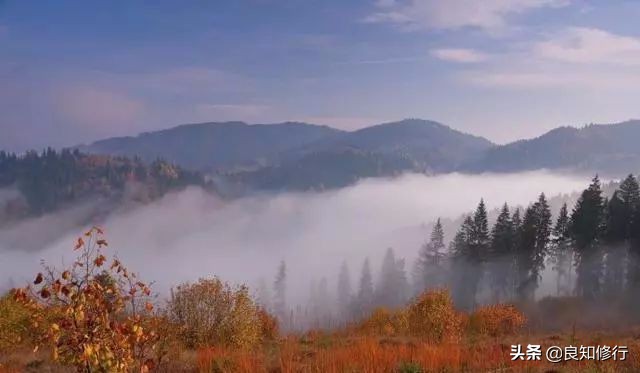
{"points": [[391, 290], [280, 294], [466, 270], [617, 218], [364, 303], [586, 229], [429, 265], [629, 214], [533, 243], [501, 254], [561, 252]]}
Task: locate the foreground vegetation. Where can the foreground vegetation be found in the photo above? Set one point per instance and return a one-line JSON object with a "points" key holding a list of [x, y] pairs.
{"points": [[97, 316]]}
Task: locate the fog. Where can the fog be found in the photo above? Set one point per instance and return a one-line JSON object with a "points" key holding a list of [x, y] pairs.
{"points": [[192, 234]]}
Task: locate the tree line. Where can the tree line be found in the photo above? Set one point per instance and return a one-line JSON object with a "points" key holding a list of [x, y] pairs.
{"points": [[590, 250], [50, 179]]}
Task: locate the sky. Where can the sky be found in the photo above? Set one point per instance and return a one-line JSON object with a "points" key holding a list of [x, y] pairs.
{"points": [[76, 71]]}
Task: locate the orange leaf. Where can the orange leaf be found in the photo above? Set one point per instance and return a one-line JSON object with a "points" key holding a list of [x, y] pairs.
{"points": [[79, 244], [38, 279]]}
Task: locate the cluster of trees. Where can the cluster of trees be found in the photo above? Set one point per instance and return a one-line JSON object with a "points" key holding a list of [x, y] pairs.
{"points": [[591, 251], [51, 179]]}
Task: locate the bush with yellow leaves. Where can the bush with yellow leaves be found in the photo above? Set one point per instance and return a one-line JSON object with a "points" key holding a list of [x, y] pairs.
{"points": [[432, 316], [496, 320], [97, 312], [384, 322], [15, 323], [213, 313]]}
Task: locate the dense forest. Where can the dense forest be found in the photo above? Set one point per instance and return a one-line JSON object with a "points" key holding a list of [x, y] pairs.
{"points": [[50, 179], [589, 252]]}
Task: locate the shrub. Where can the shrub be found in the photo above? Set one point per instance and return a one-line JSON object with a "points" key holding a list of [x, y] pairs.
{"points": [[383, 322], [496, 320], [97, 312], [15, 323], [211, 312], [268, 324], [432, 316]]}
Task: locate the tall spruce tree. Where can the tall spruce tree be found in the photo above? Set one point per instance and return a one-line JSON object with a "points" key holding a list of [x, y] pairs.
{"points": [[587, 221], [561, 252], [392, 286], [429, 265], [615, 249], [364, 301], [501, 255], [533, 243], [629, 194], [470, 249]]}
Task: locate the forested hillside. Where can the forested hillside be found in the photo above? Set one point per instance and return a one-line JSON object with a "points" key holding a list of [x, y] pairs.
{"points": [[37, 183]]}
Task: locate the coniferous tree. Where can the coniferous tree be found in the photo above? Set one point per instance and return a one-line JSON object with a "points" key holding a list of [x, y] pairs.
{"points": [[392, 286], [587, 221], [466, 269], [280, 294], [501, 255], [534, 236], [629, 217], [429, 265], [615, 251], [364, 301], [561, 252]]}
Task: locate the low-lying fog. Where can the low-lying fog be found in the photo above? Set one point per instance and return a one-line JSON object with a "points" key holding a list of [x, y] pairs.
{"points": [[191, 234]]}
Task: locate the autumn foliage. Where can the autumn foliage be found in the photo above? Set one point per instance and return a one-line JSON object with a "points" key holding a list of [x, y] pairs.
{"points": [[96, 312], [496, 320], [213, 313]]}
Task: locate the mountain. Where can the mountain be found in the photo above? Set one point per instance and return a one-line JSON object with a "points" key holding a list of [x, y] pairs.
{"points": [[612, 149], [383, 150], [300, 155], [432, 146], [207, 146]]}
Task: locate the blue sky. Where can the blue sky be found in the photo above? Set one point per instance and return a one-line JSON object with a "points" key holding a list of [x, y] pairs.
{"points": [[76, 71]]}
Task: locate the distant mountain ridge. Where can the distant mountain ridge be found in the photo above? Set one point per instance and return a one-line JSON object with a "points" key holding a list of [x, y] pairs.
{"points": [[300, 155], [206, 146], [303, 156], [606, 148]]}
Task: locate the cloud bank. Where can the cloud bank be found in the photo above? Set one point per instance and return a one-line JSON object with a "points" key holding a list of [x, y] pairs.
{"points": [[192, 234]]}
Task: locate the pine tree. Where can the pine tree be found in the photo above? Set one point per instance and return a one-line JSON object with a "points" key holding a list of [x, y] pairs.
{"points": [[561, 252], [501, 254], [533, 243], [587, 221], [616, 237], [629, 217], [364, 302], [429, 265], [466, 269], [280, 294], [392, 287]]}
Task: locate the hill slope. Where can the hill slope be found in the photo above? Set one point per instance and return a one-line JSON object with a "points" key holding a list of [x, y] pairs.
{"points": [[610, 149], [207, 146]]}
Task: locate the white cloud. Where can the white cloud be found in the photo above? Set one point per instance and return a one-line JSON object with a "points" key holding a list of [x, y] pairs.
{"points": [[454, 14], [574, 58], [590, 45], [460, 55]]}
